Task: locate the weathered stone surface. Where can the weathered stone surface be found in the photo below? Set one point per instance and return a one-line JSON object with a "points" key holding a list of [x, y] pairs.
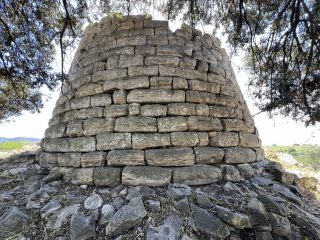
{"points": [[130, 61], [221, 112], [146, 175], [239, 155], [196, 175], [134, 109], [57, 219], [107, 211], [202, 109], [178, 191], [172, 124], [179, 83], [125, 157], [100, 100], [237, 220], [161, 82], [82, 176], [93, 159], [143, 71], [162, 60], [246, 171], [12, 222], [82, 144], [109, 75], [208, 223], [184, 139], [286, 192], [126, 217], [203, 123], [78, 103], [230, 173], [49, 208], [145, 50], [55, 145], [111, 141], [95, 112], [116, 111], [249, 140], [150, 140], [56, 131], [47, 159], [69, 159], [127, 84], [280, 225], [154, 110], [106, 176], [197, 85], [174, 50], [233, 125], [170, 230], [119, 97], [82, 227], [181, 109], [135, 124], [75, 128], [93, 202], [95, 126], [155, 96], [224, 139], [259, 215], [170, 157], [208, 155]]}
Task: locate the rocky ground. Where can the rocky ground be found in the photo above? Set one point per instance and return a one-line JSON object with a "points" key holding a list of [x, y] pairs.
{"points": [[271, 205]]}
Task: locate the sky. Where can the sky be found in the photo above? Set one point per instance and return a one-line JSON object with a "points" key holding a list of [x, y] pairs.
{"points": [[275, 131]]}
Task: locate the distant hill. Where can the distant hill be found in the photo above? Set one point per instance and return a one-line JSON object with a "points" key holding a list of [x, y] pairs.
{"points": [[19, 139]]}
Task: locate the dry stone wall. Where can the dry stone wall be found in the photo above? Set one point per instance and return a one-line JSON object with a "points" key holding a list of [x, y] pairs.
{"points": [[147, 106]]}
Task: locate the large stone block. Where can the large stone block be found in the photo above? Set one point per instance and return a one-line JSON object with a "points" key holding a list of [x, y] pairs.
{"points": [[179, 83], [170, 157], [233, 125], [150, 140], [155, 96], [96, 126], [157, 40], [153, 110], [109, 141], [239, 155], [75, 128], [100, 100], [174, 50], [135, 124], [182, 109], [130, 61], [82, 176], [184, 139], [196, 175], [197, 85], [56, 131], [204, 123], [125, 157], [96, 112], [126, 50], [56, 145], [88, 90], [146, 50], [82, 144], [222, 112], [116, 110], [93, 159], [107, 75], [146, 175], [107, 176], [48, 160], [172, 124], [224, 139], [249, 140], [202, 109], [208, 155], [69, 160], [119, 97], [193, 96], [162, 60], [187, 62], [143, 71], [127, 84], [161, 82], [78, 103]]}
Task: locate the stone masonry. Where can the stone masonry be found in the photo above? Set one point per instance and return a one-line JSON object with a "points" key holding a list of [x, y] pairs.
{"points": [[147, 106]]}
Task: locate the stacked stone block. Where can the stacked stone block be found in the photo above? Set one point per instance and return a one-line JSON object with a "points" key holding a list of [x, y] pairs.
{"points": [[146, 106]]}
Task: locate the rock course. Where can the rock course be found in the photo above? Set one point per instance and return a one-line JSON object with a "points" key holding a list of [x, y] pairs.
{"points": [[256, 208], [141, 96]]}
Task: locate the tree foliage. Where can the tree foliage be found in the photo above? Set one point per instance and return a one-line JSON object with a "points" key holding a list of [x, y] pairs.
{"points": [[281, 40]]}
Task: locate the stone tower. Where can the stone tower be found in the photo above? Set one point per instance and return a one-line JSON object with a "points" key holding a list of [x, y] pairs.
{"points": [[146, 106]]}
